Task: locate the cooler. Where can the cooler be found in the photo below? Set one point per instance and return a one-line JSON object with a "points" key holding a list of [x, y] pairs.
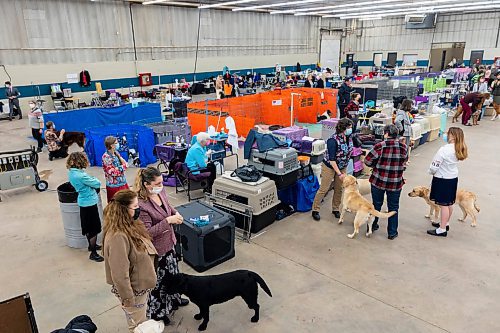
{"points": [[206, 246], [261, 196]]}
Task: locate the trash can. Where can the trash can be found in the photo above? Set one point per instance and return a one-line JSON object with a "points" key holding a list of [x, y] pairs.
{"points": [[70, 213]]}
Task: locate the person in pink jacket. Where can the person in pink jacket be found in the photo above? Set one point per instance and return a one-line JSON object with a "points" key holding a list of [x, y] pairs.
{"points": [[159, 217], [114, 167]]}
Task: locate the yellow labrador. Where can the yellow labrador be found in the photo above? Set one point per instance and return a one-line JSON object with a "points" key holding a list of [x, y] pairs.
{"points": [[365, 211], [466, 201]]}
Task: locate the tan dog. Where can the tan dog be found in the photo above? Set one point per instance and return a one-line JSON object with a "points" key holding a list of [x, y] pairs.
{"points": [[466, 201], [457, 114], [365, 211]]}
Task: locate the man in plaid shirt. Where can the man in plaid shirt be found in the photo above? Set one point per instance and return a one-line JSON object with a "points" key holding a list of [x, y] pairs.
{"points": [[387, 158]]}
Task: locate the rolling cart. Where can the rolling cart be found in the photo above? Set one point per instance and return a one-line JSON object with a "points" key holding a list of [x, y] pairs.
{"points": [[18, 169]]}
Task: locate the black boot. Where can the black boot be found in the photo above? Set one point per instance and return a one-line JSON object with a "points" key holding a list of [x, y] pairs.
{"points": [[95, 257]]}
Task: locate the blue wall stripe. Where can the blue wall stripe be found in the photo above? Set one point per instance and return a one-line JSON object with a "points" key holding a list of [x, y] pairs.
{"points": [[30, 91]]}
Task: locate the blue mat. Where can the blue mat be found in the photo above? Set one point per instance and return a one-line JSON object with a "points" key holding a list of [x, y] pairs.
{"points": [[83, 119]]}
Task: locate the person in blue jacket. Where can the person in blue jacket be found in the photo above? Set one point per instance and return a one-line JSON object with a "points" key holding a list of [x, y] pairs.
{"points": [[87, 187], [197, 158]]}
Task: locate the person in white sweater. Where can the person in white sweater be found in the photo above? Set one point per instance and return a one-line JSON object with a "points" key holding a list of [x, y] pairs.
{"points": [[444, 168]]}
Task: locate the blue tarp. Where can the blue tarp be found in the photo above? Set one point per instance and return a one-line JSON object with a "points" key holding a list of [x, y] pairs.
{"points": [[83, 119], [140, 138]]}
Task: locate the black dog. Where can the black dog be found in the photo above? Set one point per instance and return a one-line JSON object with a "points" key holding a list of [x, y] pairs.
{"points": [[205, 291]]}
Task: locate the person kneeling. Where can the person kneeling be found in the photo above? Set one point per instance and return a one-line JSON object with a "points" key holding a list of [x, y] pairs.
{"points": [[197, 160], [54, 142]]}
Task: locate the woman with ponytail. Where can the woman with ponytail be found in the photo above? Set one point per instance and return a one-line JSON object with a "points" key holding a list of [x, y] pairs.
{"points": [[129, 256], [444, 169], [158, 217]]}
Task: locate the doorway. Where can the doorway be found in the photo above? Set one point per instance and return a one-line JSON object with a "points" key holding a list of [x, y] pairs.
{"points": [[392, 58], [443, 53], [476, 57], [330, 52], [377, 60]]}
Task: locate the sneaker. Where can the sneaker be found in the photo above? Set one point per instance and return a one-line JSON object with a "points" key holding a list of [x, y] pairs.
{"points": [[316, 216], [51, 159], [95, 257], [375, 227], [336, 214], [391, 237], [39, 150]]}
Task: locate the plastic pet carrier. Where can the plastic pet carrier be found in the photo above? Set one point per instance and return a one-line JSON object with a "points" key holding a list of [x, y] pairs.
{"points": [[204, 246], [260, 196]]}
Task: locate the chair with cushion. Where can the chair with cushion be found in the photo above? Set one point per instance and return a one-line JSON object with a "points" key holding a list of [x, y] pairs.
{"points": [[190, 180]]}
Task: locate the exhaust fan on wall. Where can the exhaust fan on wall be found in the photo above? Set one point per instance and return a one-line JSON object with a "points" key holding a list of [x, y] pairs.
{"points": [[415, 18]]}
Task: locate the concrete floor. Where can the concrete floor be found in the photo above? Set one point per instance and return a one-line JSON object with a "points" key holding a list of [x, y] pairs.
{"points": [[321, 280]]}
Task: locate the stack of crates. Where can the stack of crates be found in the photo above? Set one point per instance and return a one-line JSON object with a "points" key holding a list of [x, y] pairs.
{"points": [[380, 120], [328, 128], [280, 164], [416, 134], [426, 129], [291, 133], [434, 125], [168, 131], [261, 196]]}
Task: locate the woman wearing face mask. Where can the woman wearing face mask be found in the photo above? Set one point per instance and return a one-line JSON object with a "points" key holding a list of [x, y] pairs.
{"points": [[444, 169], [352, 109], [114, 167], [158, 216], [35, 117], [333, 170], [129, 256]]}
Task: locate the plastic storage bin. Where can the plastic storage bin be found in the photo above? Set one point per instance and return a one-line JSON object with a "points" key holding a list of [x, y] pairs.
{"points": [[380, 121], [434, 121], [207, 246], [416, 134], [425, 123], [433, 135], [262, 197]]}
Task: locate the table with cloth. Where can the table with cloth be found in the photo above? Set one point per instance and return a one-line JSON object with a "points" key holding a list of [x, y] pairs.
{"points": [[83, 119]]}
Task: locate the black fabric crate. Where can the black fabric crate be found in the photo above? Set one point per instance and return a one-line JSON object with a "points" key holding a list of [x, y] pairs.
{"points": [[207, 246], [305, 171], [259, 222], [283, 181], [316, 159]]}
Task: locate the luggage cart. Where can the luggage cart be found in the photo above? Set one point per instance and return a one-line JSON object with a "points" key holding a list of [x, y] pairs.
{"points": [[18, 169]]}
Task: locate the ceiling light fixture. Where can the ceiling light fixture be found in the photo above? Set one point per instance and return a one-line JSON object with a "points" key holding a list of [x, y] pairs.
{"points": [[371, 18], [430, 9], [350, 5], [227, 3], [382, 6], [289, 3]]}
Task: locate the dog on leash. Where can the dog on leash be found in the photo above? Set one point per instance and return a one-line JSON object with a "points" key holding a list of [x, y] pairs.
{"points": [[365, 211], [208, 290], [69, 138], [466, 201]]}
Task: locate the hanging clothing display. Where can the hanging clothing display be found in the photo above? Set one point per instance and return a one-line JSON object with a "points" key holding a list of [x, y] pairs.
{"points": [[85, 78]]}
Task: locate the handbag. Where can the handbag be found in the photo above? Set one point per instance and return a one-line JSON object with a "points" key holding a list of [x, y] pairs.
{"points": [[247, 173]]}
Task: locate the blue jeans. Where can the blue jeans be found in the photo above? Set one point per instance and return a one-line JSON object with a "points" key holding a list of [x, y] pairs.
{"points": [[392, 205]]}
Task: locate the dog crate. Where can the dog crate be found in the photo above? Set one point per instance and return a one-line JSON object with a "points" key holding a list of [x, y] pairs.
{"points": [[291, 133], [168, 131], [279, 161], [310, 147], [328, 128], [17, 315], [260, 196], [204, 247]]}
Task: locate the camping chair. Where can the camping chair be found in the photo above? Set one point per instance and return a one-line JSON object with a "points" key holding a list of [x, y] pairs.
{"points": [[188, 181]]}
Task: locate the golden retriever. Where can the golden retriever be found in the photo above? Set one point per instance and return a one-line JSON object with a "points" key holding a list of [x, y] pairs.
{"points": [[365, 211], [466, 201]]}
